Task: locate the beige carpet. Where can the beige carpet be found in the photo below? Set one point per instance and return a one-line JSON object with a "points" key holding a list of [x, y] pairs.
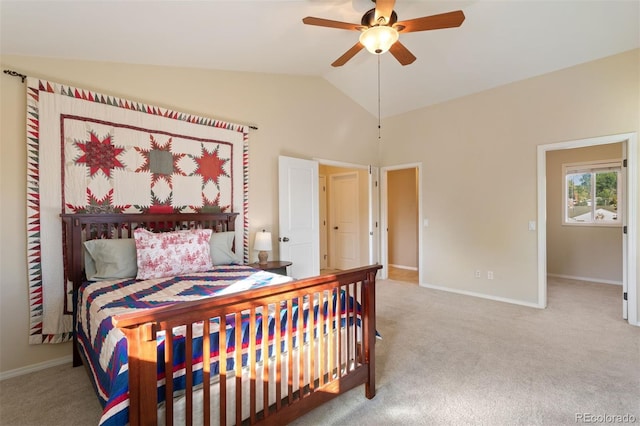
{"points": [[445, 359]]}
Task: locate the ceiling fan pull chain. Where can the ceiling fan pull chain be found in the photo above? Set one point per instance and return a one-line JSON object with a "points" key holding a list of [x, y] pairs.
{"points": [[379, 98]]}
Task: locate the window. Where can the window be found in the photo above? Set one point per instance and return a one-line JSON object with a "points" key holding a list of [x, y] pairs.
{"points": [[592, 193]]}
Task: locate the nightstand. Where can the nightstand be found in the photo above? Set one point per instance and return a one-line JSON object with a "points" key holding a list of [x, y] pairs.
{"points": [[275, 266]]}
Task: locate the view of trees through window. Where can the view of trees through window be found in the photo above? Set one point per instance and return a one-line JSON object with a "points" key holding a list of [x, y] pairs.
{"points": [[592, 196]]}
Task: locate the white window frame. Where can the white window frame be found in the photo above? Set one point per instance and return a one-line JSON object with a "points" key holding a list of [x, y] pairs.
{"points": [[592, 167]]}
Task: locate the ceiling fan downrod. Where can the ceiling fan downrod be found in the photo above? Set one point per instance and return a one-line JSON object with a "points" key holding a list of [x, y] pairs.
{"points": [[369, 19]]}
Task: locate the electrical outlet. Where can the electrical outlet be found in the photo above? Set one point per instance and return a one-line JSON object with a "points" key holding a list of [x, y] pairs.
{"points": [[489, 275], [478, 273]]}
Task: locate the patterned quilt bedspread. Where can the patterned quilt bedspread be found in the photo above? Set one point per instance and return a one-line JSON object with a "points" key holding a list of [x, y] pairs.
{"points": [[105, 348]]}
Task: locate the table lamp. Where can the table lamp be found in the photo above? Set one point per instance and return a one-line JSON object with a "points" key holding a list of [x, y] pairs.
{"points": [[262, 245]]}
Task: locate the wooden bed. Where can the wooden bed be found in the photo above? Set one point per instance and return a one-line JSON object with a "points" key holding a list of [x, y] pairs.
{"points": [[292, 383]]}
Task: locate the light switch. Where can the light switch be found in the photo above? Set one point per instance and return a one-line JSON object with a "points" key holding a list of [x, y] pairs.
{"points": [[425, 223], [532, 225]]}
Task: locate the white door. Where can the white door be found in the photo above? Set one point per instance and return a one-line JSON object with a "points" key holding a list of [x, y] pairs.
{"points": [[374, 216], [298, 207], [324, 226], [625, 241], [344, 221]]}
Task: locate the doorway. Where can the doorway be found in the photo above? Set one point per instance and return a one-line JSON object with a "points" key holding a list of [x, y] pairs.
{"points": [[629, 239], [303, 206], [401, 223], [345, 207]]}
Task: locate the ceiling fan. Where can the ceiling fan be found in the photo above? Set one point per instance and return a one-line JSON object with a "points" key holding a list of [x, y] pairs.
{"points": [[380, 27]]}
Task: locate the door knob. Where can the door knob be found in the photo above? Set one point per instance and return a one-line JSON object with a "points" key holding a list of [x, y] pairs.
{"points": [[285, 239], [335, 227]]}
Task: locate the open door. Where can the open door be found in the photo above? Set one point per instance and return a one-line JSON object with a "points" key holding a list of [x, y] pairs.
{"points": [[324, 225], [299, 240], [374, 215], [625, 240]]}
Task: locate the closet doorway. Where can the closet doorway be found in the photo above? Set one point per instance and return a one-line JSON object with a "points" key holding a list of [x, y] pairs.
{"points": [[401, 218], [346, 207]]}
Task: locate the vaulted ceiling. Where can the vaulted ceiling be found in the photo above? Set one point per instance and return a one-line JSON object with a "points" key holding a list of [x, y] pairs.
{"points": [[500, 41]]}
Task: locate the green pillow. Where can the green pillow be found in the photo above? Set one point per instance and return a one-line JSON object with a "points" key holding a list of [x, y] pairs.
{"points": [[112, 259], [221, 244]]}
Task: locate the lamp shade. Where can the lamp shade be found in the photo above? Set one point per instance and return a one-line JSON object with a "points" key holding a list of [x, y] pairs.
{"points": [[378, 39], [262, 241]]}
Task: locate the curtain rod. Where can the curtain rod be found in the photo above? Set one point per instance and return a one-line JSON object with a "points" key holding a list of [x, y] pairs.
{"points": [[23, 77], [15, 74]]}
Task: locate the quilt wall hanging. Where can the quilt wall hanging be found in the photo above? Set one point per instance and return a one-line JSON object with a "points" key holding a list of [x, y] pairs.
{"points": [[93, 153]]}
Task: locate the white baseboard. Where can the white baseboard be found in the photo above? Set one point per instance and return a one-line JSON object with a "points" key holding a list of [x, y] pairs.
{"points": [[35, 367], [592, 280], [410, 268], [484, 296]]}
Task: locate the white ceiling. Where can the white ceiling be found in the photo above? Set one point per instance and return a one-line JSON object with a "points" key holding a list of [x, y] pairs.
{"points": [[500, 41]]}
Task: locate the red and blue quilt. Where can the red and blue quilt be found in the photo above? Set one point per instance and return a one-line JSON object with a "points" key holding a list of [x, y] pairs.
{"points": [[105, 348]]}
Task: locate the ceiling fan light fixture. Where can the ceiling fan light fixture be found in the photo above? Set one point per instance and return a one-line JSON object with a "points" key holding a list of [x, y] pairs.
{"points": [[379, 39]]}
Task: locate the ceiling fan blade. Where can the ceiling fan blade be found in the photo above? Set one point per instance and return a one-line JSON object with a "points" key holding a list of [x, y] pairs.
{"points": [[310, 20], [384, 8], [434, 22], [348, 55], [401, 53]]}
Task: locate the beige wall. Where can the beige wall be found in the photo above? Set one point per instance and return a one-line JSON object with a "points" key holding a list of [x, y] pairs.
{"points": [[402, 217], [363, 210], [297, 116], [593, 252], [479, 162], [478, 155]]}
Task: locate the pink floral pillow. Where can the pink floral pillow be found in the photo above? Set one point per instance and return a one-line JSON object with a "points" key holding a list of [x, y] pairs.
{"points": [[167, 254]]}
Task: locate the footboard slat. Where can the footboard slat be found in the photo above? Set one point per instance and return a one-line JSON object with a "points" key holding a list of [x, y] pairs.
{"points": [[352, 318], [252, 377], [278, 359], [188, 366], [265, 365], [312, 333], [168, 378], [340, 353], [331, 347], [322, 348], [289, 333], [238, 365], [222, 357], [301, 342], [206, 373]]}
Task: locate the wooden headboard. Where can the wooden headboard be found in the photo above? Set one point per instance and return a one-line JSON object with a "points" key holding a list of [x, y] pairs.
{"points": [[80, 227]]}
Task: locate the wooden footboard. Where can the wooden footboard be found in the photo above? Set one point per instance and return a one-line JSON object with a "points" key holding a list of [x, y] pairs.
{"points": [[340, 357]]}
